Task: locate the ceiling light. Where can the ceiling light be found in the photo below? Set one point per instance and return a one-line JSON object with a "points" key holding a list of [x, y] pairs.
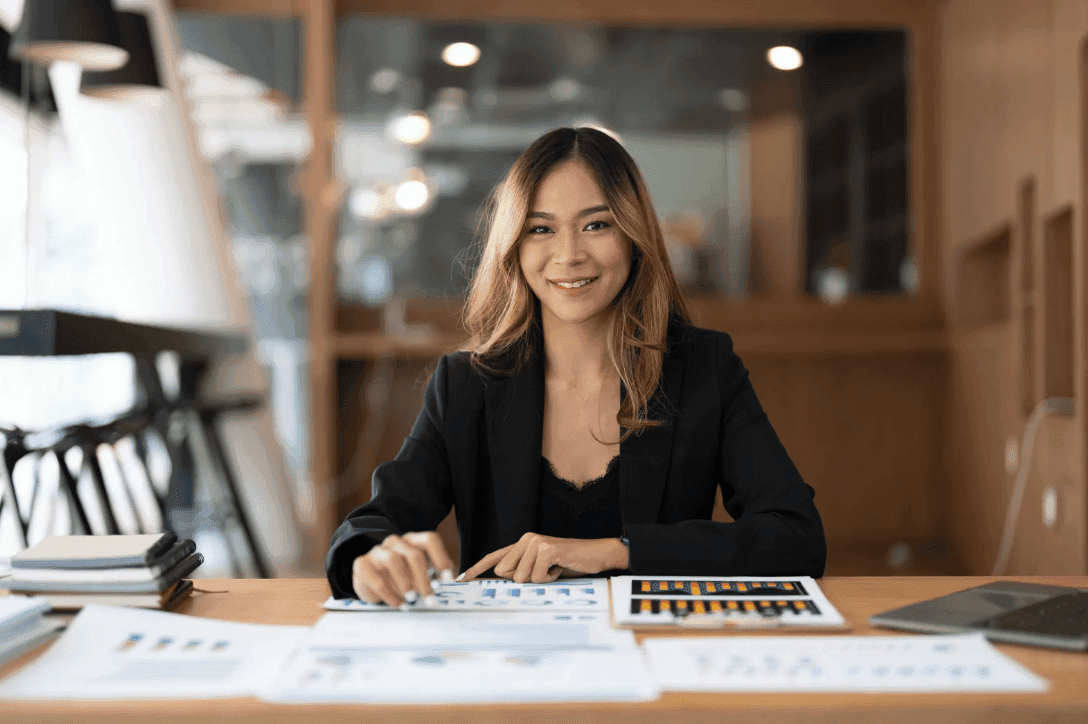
{"points": [[366, 203], [411, 129], [565, 89], [384, 80], [784, 57], [460, 55], [733, 100], [411, 195], [375, 278]]}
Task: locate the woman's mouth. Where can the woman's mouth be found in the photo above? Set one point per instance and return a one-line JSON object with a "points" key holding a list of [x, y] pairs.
{"points": [[574, 283]]}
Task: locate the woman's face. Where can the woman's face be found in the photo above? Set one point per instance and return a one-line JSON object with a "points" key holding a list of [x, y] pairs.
{"points": [[573, 255]]}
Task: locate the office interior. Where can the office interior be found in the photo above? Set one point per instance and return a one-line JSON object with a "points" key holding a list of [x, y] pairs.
{"points": [[893, 232]]}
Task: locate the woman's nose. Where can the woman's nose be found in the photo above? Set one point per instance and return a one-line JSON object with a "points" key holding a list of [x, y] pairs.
{"points": [[569, 247]]}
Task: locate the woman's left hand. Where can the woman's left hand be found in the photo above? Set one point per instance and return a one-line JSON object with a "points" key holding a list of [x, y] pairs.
{"points": [[542, 559]]}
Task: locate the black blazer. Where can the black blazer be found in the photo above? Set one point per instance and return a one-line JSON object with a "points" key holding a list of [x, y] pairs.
{"points": [[476, 446]]}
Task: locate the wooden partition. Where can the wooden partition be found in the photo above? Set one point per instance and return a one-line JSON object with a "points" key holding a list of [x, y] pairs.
{"points": [[1014, 104]]}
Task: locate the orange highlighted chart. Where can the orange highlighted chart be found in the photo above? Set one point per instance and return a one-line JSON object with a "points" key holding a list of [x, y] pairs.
{"points": [[705, 602]]}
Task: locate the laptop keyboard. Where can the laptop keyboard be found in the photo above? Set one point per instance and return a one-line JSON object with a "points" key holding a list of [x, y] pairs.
{"points": [[1065, 615]]}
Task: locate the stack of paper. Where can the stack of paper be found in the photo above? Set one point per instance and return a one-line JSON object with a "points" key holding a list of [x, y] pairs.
{"points": [[73, 571], [22, 626], [124, 653]]}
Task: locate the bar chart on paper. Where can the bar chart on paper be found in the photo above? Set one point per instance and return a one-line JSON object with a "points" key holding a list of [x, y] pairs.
{"points": [[766, 602]]}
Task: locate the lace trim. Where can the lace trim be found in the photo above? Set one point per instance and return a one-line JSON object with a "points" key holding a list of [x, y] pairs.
{"points": [[586, 484]]}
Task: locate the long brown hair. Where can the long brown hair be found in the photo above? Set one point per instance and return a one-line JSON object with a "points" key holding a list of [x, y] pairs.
{"points": [[502, 313]]}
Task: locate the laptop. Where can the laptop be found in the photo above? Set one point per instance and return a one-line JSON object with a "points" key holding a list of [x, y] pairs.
{"points": [[1006, 611]]}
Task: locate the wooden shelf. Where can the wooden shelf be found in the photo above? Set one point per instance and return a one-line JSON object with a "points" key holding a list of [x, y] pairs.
{"points": [[784, 327], [374, 345], [1056, 306], [793, 342], [841, 343], [982, 279], [804, 311]]}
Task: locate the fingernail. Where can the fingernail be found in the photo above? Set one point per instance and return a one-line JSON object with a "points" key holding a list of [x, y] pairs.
{"points": [[430, 601], [411, 597], [460, 576], [405, 607], [447, 576]]}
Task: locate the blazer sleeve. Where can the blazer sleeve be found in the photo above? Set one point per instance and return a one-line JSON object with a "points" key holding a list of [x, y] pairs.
{"points": [[412, 492], [776, 529]]}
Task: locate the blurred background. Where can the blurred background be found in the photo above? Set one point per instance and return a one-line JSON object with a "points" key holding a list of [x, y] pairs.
{"points": [[882, 203]]}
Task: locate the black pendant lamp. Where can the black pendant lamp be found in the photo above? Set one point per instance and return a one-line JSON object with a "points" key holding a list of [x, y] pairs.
{"points": [[82, 31], [141, 68], [39, 96]]}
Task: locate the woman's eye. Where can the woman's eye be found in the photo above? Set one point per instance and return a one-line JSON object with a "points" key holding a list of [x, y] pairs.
{"points": [[597, 225], [539, 230]]}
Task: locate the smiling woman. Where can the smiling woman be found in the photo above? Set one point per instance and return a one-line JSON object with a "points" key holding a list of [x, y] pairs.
{"points": [[588, 425]]}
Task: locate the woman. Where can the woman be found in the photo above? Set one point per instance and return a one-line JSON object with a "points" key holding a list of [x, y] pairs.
{"points": [[588, 425]]}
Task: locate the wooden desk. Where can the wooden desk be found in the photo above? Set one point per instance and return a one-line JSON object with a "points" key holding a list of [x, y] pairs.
{"points": [[298, 601]]}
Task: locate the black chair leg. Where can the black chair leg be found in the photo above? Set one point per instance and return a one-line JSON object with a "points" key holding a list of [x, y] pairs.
{"points": [[90, 459], [6, 469], [70, 488], [215, 449], [129, 496], [140, 448]]}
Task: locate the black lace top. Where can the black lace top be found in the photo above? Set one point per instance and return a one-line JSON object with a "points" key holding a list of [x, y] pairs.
{"points": [[565, 510]]}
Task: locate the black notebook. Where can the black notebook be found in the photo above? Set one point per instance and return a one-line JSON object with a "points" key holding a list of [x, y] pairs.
{"points": [[94, 551], [153, 585]]}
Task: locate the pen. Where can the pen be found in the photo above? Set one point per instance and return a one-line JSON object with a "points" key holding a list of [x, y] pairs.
{"points": [[412, 598]]}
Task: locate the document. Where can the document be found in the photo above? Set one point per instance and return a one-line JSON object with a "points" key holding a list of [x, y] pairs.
{"points": [[443, 657], [714, 602], [572, 594], [125, 653], [875, 664]]}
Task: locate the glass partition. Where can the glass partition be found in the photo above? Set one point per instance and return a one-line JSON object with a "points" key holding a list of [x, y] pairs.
{"points": [[769, 178]]}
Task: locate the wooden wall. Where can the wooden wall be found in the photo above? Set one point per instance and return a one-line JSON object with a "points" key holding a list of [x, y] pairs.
{"points": [[1012, 156], [776, 263]]}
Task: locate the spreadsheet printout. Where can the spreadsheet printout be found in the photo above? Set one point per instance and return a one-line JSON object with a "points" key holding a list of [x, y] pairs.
{"points": [[960, 663]]}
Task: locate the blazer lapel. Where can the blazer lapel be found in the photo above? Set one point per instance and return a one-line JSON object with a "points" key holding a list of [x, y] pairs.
{"points": [[644, 459], [515, 411]]}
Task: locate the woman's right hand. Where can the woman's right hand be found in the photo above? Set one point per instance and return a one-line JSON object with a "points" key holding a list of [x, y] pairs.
{"points": [[398, 569]]}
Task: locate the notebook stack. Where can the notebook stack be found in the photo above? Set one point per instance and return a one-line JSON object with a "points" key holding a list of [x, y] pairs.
{"points": [[73, 571], [22, 626]]}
